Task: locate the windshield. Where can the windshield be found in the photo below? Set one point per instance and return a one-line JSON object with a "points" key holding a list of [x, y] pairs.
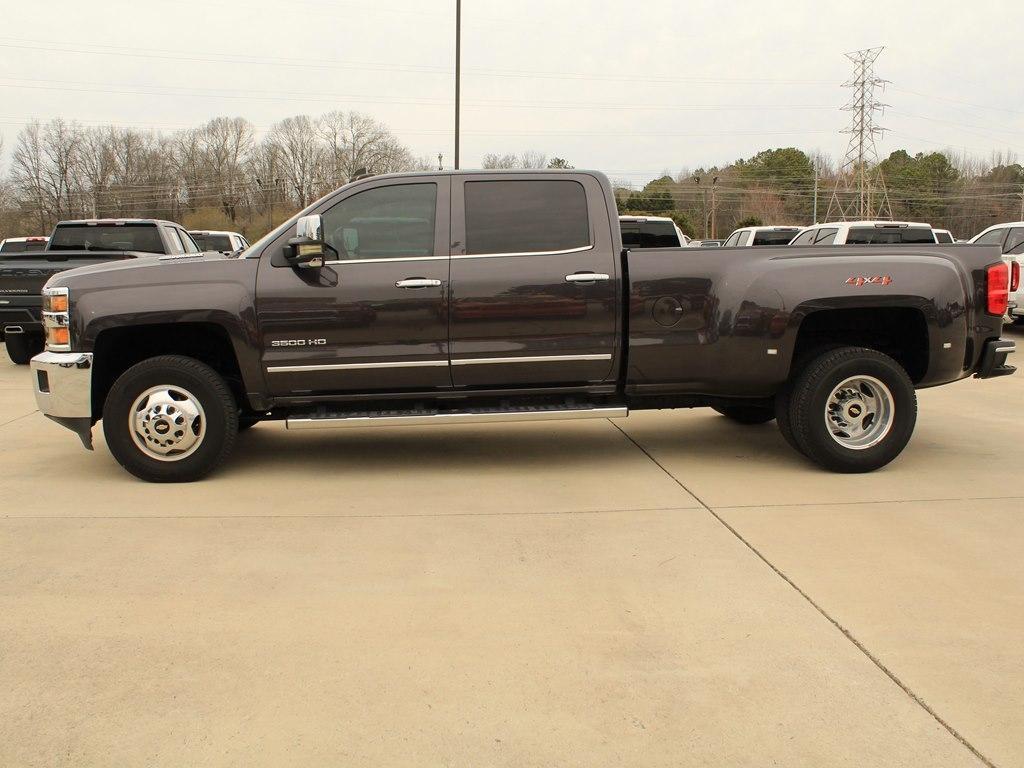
{"points": [[21, 246], [211, 242], [107, 237], [774, 237]]}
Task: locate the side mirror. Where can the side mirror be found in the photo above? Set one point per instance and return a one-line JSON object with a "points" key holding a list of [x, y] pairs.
{"points": [[308, 249]]}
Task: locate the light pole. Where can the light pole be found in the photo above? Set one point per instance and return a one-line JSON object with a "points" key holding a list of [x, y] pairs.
{"points": [[704, 204], [714, 205], [458, 73]]}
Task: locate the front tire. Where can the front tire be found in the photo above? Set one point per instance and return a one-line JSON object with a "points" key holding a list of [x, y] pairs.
{"points": [[852, 409], [170, 419], [22, 347]]}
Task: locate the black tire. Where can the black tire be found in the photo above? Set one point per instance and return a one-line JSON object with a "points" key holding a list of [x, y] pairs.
{"points": [[22, 347], [746, 414], [782, 402], [812, 390], [211, 393]]}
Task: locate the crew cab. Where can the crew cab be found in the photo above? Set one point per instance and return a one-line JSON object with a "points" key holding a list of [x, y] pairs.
{"points": [[751, 236], [866, 233], [219, 240], [72, 244], [483, 296], [651, 232]]}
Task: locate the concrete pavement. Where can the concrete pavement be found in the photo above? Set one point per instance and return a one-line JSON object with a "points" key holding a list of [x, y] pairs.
{"points": [[667, 590]]}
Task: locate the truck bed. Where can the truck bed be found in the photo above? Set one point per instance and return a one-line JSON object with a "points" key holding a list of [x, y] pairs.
{"points": [[730, 320]]}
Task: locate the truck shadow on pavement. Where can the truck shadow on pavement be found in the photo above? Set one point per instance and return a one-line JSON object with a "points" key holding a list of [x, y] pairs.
{"points": [[537, 447]]}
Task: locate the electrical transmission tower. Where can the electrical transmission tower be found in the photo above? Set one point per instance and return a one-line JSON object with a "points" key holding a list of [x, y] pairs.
{"points": [[860, 191]]}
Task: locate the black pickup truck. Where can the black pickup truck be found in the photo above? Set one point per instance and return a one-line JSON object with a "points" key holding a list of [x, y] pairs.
{"points": [[72, 244], [443, 298]]}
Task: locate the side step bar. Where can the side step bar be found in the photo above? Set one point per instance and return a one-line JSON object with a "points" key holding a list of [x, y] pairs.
{"points": [[393, 419]]}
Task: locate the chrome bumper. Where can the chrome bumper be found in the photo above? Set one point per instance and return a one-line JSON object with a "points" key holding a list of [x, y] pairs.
{"points": [[62, 382]]}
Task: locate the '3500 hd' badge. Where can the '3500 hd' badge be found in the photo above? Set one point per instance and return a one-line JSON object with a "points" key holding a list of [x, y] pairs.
{"points": [[299, 343]]}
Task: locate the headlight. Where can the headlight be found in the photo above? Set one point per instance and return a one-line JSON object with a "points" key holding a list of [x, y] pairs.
{"points": [[57, 319]]}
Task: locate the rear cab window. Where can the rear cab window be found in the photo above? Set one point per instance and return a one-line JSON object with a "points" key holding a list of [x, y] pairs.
{"points": [[525, 216], [211, 242], [142, 237], [658, 234], [882, 235], [774, 236], [943, 237]]}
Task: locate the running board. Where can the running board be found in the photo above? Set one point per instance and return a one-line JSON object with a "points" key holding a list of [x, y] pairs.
{"points": [[421, 418]]}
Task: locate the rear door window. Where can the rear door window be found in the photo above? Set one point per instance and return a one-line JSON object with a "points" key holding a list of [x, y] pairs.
{"points": [[826, 236], [526, 217], [992, 237], [1015, 238]]}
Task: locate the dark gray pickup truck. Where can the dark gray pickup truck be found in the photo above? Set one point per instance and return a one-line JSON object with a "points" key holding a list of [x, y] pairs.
{"points": [[72, 244], [446, 298]]}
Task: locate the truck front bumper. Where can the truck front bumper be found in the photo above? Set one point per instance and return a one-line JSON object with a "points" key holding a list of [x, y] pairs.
{"points": [[993, 359], [62, 382]]}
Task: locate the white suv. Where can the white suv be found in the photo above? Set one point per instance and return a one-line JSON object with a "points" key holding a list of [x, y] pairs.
{"points": [[749, 236], [866, 233]]}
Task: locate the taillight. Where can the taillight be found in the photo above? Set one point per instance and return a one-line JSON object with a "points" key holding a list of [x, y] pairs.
{"points": [[998, 289], [1014, 276]]}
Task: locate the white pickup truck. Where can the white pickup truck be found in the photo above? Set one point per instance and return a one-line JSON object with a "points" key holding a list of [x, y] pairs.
{"points": [[1010, 239]]}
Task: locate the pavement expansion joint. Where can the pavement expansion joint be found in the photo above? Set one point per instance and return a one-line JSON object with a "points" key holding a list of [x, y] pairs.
{"points": [[846, 633]]}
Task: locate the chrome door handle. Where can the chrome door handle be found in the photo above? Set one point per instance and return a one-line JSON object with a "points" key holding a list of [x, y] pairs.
{"points": [[417, 282], [586, 277]]}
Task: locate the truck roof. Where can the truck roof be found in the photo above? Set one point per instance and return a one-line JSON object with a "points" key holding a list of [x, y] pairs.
{"points": [[115, 222], [871, 223]]}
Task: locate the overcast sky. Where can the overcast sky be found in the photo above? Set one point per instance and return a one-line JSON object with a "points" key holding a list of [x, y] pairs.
{"points": [[630, 88]]}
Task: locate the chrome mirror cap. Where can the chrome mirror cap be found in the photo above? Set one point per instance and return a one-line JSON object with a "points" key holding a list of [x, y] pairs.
{"points": [[310, 227]]}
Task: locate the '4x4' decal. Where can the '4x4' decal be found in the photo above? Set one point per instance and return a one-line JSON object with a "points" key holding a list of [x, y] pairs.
{"points": [[861, 280]]}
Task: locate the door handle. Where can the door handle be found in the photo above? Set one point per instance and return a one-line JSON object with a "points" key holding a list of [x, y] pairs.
{"points": [[417, 282], [586, 277]]}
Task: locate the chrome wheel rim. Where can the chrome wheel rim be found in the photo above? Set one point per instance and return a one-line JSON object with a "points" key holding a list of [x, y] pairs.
{"points": [[859, 412], [167, 423]]}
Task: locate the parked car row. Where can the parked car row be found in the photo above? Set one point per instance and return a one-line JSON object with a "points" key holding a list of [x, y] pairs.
{"points": [[26, 263]]}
